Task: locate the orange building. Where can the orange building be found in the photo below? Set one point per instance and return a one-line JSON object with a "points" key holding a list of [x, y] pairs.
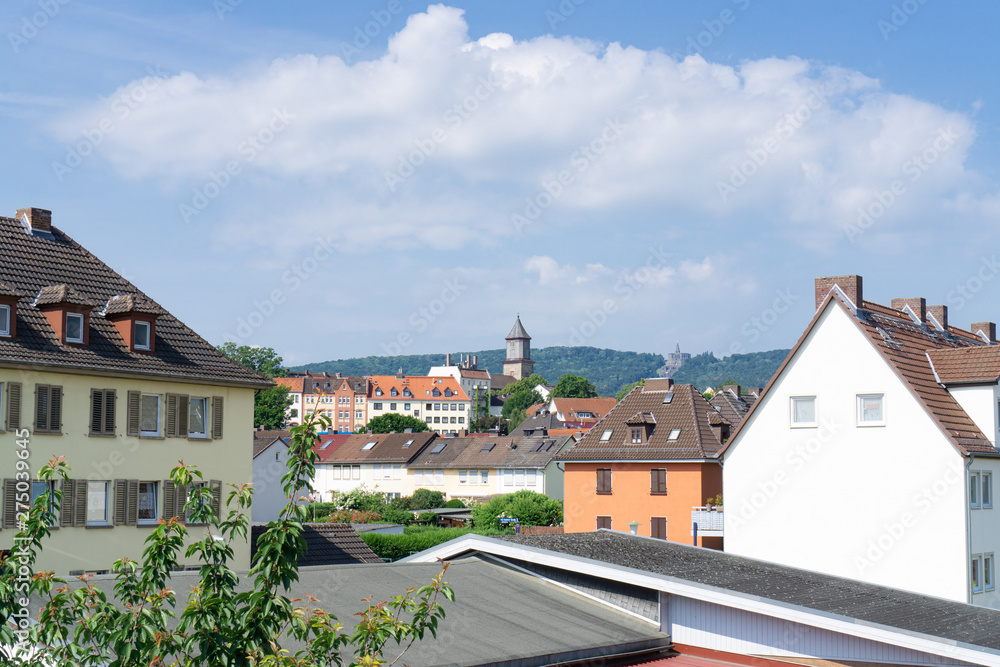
{"points": [[650, 460]]}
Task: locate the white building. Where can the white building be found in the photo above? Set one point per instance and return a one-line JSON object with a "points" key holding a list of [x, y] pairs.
{"points": [[474, 381], [438, 401], [871, 453]]}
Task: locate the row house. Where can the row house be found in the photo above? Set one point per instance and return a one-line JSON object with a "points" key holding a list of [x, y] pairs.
{"points": [[646, 464], [375, 461], [477, 467], [438, 401], [94, 370], [874, 445], [341, 399]]}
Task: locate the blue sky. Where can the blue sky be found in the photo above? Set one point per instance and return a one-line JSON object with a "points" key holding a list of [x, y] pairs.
{"points": [[396, 177]]}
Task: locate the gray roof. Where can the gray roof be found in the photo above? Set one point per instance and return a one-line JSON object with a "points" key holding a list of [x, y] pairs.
{"points": [[540, 624], [954, 621], [327, 544], [264, 439], [517, 331]]}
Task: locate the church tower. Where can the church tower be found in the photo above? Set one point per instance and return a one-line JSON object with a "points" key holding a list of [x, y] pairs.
{"points": [[518, 362]]}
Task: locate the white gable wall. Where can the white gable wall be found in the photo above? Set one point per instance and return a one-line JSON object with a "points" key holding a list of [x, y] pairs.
{"points": [[268, 495], [880, 504], [980, 403]]}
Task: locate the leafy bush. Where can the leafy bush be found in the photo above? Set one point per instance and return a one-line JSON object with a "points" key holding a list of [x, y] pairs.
{"points": [[359, 499], [425, 499], [454, 502], [530, 508], [394, 547], [354, 516]]}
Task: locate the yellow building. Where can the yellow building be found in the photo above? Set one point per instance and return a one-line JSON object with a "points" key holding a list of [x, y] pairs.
{"points": [[93, 370]]}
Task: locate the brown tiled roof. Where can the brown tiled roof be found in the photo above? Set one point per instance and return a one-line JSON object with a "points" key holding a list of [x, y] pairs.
{"points": [[51, 294], [264, 439], [389, 448], [501, 381], [687, 411], [966, 365], [905, 345], [31, 263], [468, 452], [327, 544], [6, 290], [474, 374], [641, 418], [730, 407], [570, 406], [131, 303]]}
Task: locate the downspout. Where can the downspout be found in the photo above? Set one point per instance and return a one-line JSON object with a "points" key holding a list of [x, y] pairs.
{"points": [[968, 528]]}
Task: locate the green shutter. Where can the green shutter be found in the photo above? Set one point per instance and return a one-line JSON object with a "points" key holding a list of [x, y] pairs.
{"points": [[216, 417], [134, 401], [13, 406]]}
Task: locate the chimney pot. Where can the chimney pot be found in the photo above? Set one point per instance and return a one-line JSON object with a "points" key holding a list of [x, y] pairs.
{"points": [[940, 314], [38, 218], [849, 285], [918, 305], [989, 329]]}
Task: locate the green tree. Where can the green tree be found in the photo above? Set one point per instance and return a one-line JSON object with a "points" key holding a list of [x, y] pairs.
{"points": [[392, 422], [523, 384], [484, 424], [528, 507], [217, 624], [521, 400], [517, 418], [574, 386], [270, 406], [623, 392]]}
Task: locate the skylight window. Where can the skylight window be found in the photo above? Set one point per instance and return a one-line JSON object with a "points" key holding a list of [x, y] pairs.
{"points": [[408, 442], [369, 445], [667, 397], [606, 435], [674, 434], [326, 444], [439, 447], [488, 447]]}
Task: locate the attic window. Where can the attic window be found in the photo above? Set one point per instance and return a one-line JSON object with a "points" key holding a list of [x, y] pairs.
{"points": [[667, 397], [369, 445], [74, 328], [407, 393], [439, 447], [606, 435], [408, 442], [4, 320], [326, 444], [436, 392], [393, 392], [141, 340], [378, 392], [537, 446], [585, 415], [549, 444], [674, 434], [488, 447], [447, 392]]}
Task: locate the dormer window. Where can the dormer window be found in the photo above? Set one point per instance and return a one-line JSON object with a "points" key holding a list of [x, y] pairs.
{"points": [[74, 328], [447, 392], [378, 392], [5, 319], [436, 392], [141, 336], [393, 392], [407, 393]]}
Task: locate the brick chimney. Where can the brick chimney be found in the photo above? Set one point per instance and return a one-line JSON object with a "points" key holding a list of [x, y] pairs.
{"points": [[849, 285], [917, 304], [987, 328], [447, 359], [939, 313], [38, 218]]}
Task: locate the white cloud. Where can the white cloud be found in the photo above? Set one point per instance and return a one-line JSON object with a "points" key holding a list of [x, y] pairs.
{"points": [[442, 139]]}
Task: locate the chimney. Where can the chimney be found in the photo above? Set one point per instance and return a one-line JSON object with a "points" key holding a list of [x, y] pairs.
{"points": [[849, 285], [735, 388], [939, 313], [918, 305], [37, 218], [475, 361], [987, 329]]}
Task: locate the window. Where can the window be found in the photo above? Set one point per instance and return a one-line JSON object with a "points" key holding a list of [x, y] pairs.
{"points": [[803, 411], [406, 406], [392, 406], [488, 447], [429, 405], [461, 420], [4, 320], [140, 340], [378, 392], [358, 414], [461, 407], [97, 503], [406, 393], [484, 476], [658, 481], [974, 490], [658, 527], [977, 574], [397, 471], [147, 502], [606, 435], [74, 328], [674, 434], [369, 445], [604, 522], [438, 447], [529, 477], [149, 415], [508, 477], [102, 412], [355, 472], [197, 422], [604, 480], [439, 477], [38, 488], [637, 435], [989, 576], [429, 420], [394, 392], [463, 476], [871, 410], [418, 477], [453, 420], [376, 471], [519, 477], [986, 489], [437, 406], [48, 408], [437, 420], [375, 406], [454, 406]]}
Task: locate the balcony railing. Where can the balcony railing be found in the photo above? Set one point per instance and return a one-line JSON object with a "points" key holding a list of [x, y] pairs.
{"points": [[709, 521]]}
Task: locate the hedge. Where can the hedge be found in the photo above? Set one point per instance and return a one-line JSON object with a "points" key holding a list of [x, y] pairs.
{"points": [[394, 547]]}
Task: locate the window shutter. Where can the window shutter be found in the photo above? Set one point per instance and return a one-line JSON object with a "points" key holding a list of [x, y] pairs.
{"points": [[121, 493], [9, 503], [169, 498], [41, 407], [183, 405], [66, 508], [216, 417], [96, 412], [80, 503], [171, 416], [132, 503], [13, 406], [109, 412], [134, 399], [55, 409], [216, 486]]}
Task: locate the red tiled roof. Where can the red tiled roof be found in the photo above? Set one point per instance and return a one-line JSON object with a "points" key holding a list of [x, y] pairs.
{"points": [[328, 444], [966, 364], [570, 406], [420, 385], [294, 384]]}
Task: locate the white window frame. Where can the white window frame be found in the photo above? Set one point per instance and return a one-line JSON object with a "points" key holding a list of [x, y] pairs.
{"points": [[986, 490], [859, 420], [149, 336], [974, 495], [439, 477], [82, 323], [484, 477], [418, 478], [5, 320], [336, 472], [792, 400], [156, 501], [606, 435], [989, 566], [976, 574], [204, 413], [159, 416], [356, 472], [463, 477], [107, 486], [397, 471], [674, 435]]}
